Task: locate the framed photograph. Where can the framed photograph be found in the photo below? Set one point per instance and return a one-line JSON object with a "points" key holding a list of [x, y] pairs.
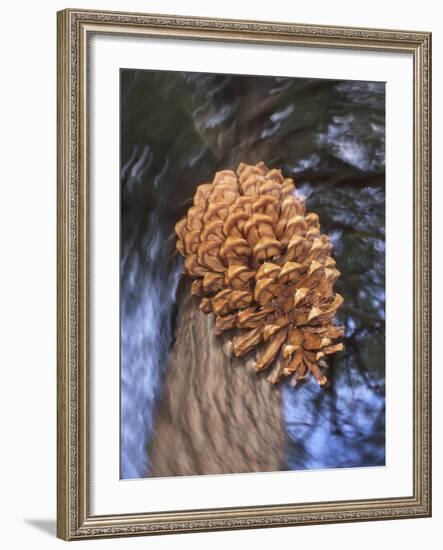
{"points": [[243, 274]]}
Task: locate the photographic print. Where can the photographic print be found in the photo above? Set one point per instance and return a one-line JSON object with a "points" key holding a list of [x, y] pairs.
{"points": [[252, 273], [243, 274]]}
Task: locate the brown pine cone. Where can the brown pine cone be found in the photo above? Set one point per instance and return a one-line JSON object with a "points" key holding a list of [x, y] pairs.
{"points": [[263, 268]]}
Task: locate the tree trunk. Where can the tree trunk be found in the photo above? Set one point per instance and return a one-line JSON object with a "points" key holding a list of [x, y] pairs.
{"points": [[216, 415]]}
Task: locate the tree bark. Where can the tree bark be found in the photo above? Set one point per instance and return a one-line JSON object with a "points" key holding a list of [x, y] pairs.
{"points": [[217, 415]]}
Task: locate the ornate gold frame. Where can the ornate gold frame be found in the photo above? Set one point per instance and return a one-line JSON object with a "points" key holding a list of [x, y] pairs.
{"points": [[75, 28]]}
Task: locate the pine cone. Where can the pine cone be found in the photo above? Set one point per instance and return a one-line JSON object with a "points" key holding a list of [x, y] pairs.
{"points": [[263, 268]]}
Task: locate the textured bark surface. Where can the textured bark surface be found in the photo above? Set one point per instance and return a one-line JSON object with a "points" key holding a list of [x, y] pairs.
{"points": [[215, 416]]}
